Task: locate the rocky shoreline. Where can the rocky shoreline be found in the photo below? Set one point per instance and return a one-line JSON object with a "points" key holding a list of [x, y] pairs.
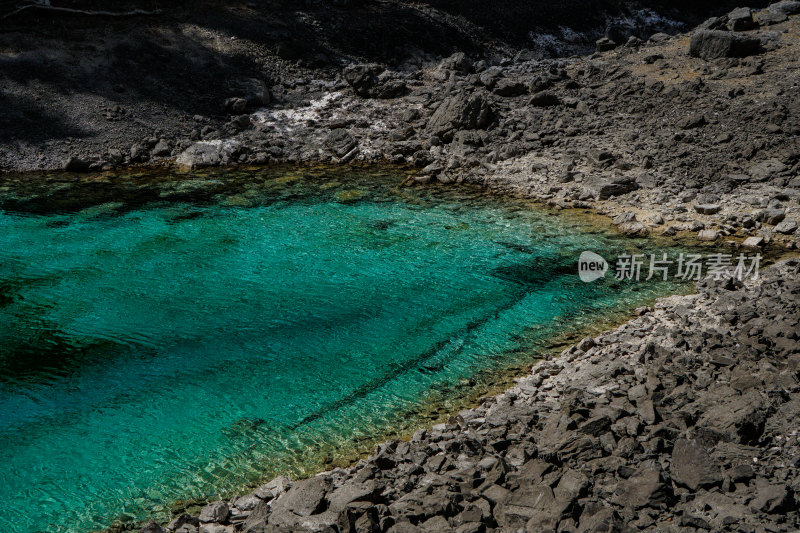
{"points": [[683, 419], [687, 134]]}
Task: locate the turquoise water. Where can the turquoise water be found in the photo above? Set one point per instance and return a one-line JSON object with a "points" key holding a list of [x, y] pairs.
{"points": [[165, 338]]}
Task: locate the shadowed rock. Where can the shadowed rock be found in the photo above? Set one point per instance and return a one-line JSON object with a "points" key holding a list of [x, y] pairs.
{"points": [[715, 44]]}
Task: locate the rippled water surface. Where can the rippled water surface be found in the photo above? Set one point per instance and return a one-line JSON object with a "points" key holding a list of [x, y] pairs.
{"points": [[164, 338]]}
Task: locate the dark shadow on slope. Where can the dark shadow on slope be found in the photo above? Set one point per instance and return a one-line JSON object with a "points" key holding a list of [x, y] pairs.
{"points": [[23, 118]]}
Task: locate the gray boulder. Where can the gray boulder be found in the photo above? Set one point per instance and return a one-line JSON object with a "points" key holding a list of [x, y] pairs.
{"points": [[461, 112], [509, 88], [371, 81], [161, 148], [785, 7], [257, 520], [733, 419], [535, 506], [458, 63], [340, 142], [741, 19], [771, 216], [215, 512], [771, 497], [305, 498], [715, 44], [645, 488], [152, 527], [184, 523], [200, 154], [693, 467], [604, 188], [787, 227]]}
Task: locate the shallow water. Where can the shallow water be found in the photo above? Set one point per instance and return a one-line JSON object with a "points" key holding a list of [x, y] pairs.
{"points": [[166, 338]]}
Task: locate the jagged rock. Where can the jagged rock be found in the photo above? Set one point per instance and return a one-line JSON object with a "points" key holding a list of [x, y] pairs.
{"points": [[367, 82], [215, 512], [739, 418], [786, 227], [771, 216], [200, 154], [765, 170], [161, 149], [634, 228], [359, 517], [184, 523], [352, 492], [741, 19], [457, 62], [603, 521], [694, 120], [694, 522], [595, 426], [693, 467], [785, 7], [215, 528], [645, 488], [305, 498], [152, 527], [714, 44], [534, 508], [257, 520], [771, 497], [340, 142], [572, 485], [461, 112], [509, 88], [604, 188]]}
